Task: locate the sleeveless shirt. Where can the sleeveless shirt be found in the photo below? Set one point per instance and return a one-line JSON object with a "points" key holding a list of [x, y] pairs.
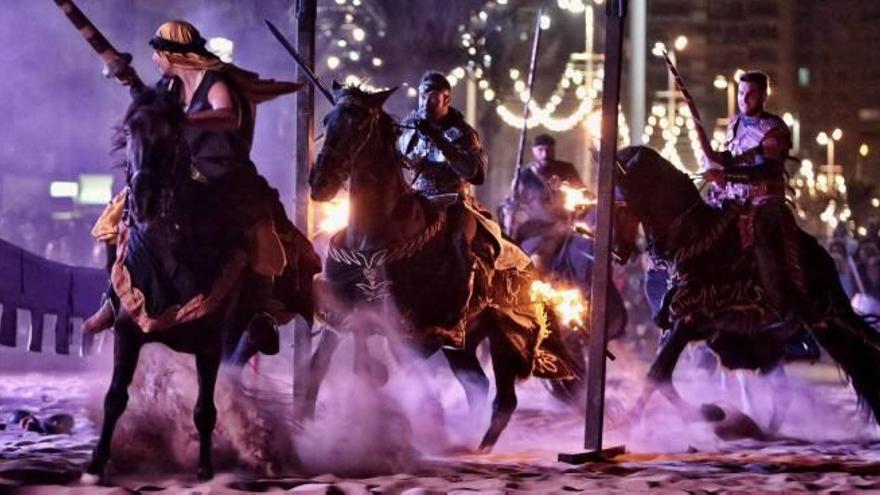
{"points": [[216, 153]]}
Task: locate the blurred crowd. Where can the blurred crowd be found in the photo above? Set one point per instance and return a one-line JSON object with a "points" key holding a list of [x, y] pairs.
{"points": [[857, 259], [64, 240]]}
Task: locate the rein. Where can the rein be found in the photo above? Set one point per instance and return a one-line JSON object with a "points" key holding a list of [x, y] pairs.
{"points": [[373, 122]]}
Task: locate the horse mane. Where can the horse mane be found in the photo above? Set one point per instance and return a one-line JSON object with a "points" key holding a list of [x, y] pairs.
{"points": [[163, 103], [388, 125]]}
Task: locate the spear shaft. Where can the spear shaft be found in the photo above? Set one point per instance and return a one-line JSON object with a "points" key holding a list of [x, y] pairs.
{"points": [[118, 64], [300, 62], [533, 62], [705, 144]]}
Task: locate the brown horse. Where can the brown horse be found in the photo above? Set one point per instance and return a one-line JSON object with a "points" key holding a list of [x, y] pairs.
{"points": [[399, 257], [179, 270]]}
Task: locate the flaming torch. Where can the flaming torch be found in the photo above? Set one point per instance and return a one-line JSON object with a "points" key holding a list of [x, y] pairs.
{"points": [[576, 198], [333, 215], [569, 306]]}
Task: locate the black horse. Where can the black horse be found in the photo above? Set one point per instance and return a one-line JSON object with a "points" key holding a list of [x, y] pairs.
{"points": [[399, 256], [716, 294], [180, 266]]}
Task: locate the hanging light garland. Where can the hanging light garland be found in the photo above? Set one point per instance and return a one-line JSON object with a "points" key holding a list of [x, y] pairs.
{"points": [[585, 82], [345, 47]]}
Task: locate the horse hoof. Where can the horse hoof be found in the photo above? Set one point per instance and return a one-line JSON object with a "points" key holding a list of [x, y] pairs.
{"points": [[90, 479], [712, 413], [205, 474]]}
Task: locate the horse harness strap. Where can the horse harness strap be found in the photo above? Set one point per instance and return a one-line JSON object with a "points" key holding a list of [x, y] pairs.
{"points": [[375, 259], [705, 243], [374, 119], [371, 261]]}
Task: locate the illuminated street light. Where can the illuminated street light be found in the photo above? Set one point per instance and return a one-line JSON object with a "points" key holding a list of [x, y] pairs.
{"points": [[720, 82], [825, 140], [545, 22], [864, 150], [332, 62], [681, 42], [658, 49], [795, 125]]}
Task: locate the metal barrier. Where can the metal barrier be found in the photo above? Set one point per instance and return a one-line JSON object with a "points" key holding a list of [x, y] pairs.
{"points": [[45, 288]]}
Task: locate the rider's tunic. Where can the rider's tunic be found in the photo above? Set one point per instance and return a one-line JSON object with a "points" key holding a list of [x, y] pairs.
{"points": [[752, 176], [757, 183], [439, 172], [448, 167]]}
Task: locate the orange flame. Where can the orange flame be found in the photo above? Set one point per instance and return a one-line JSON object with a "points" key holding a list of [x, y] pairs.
{"points": [[332, 215], [569, 306], [576, 198]]}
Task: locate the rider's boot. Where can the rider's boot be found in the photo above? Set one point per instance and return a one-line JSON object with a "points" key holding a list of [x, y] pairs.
{"points": [[262, 331], [102, 319]]}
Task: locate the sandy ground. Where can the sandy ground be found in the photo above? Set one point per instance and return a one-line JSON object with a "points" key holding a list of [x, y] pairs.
{"points": [[386, 442]]}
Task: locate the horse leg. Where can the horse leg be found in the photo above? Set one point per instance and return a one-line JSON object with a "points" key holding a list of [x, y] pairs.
{"points": [[505, 389], [364, 363], [319, 364], [745, 394], [467, 370], [205, 412], [126, 350], [782, 396], [660, 374]]}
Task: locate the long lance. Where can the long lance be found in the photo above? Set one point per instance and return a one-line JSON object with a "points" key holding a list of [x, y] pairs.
{"points": [[533, 62], [695, 114], [300, 62], [117, 64]]}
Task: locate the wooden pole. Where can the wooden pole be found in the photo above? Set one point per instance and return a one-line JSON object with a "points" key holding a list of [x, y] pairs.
{"points": [[616, 12], [306, 12]]}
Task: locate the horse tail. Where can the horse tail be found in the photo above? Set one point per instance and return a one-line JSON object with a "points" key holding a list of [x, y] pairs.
{"points": [[855, 346]]}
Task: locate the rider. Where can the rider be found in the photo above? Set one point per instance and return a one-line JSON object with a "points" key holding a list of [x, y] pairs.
{"points": [[753, 176], [537, 219], [445, 153], [439, 145], [220, 103], [535, 206]]}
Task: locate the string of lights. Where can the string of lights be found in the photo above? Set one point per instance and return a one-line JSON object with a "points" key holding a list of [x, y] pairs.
{"points": [[578, 77]]}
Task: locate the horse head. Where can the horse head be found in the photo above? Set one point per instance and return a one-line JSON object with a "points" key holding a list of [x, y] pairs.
{"points": [[354, 130], [655, 195], [151, 136]]}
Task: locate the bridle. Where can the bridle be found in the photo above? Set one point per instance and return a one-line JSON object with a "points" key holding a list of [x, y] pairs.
{"points": [[348, 159], [166, 181]]}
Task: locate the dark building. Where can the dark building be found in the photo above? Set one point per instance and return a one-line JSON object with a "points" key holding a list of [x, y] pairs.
{"points": [[821, 57], [723, 36]]}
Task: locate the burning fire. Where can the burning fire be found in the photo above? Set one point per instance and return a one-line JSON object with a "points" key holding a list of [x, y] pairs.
{"points": [[332, 215], [576, 197], [569, 306]]}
